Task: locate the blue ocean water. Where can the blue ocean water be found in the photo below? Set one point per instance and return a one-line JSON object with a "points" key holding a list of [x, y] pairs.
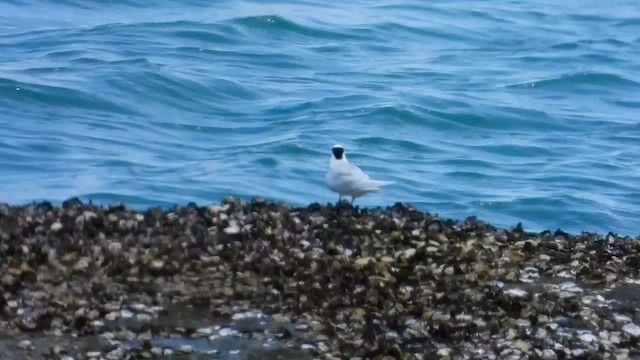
{"points": [[513, 111]]}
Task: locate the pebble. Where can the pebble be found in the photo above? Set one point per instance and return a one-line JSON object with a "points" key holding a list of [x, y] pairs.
{"points": [[577, 353], [24, 344], [206, 331], [143, 317], [56, 226], [157, 264], [548, 354], [233, 228], [186, 349], [515, 292], [247, 315], [227, 332], [587, 336], [522, 346], [631, 330], [621, 319]]}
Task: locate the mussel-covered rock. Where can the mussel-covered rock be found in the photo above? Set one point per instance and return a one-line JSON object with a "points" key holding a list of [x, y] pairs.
{"points": [[372, 284]]}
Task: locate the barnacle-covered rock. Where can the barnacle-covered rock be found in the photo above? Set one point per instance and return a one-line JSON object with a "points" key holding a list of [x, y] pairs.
{"points": [[372, 284]]}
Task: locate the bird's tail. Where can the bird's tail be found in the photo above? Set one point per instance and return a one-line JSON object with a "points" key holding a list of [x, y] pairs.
{"points": [[380, 183]]}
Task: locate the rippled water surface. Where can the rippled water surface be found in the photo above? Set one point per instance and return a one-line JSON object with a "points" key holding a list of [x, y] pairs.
{"points": [[512, 111]]}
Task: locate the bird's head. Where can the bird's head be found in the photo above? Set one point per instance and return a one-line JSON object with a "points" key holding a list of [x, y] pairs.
{"points": [[338, 152]]}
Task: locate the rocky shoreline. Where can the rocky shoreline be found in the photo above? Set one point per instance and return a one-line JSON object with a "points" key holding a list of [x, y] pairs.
{"points": [[264, 280]]}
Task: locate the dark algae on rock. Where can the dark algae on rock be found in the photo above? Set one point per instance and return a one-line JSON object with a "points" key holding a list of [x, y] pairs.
{"points": [[265, 280]]}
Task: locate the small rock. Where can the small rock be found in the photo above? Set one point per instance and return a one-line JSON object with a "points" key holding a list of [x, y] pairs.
{"points": [[280, 318], [577, 353], [615, 339], [548, 354], [622, 354], [157, 264], [24, 344], [516, 293], [205, 331], [631, 330], [621, 319], [387, 260], [227, 332], [124, 335], [186, 349], [587, 337], [145, 335], [55, 350], [115, 247], [115, 354], [97, 323], [247, 315], [214, 209], [363, 261], [523, 346], [112, 316], [8, 280], [440, 316], [81, 264], [56, 226], [317, 326], [233, 228], [409, 253]]}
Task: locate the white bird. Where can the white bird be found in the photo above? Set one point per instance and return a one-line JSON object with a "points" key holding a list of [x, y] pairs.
{"points": [[347, 179]]}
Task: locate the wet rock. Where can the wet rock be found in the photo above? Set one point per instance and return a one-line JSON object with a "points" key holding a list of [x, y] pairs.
{"points": [[25, 344], [631, 330], [56, 226], [373, 283], [548, 354]]}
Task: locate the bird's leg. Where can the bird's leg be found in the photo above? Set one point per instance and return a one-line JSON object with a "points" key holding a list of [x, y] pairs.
{"points": [[338, 206], [352, 199]]}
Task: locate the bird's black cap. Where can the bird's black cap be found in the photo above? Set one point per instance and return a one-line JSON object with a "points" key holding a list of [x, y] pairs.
{"points": [[338, 151]]}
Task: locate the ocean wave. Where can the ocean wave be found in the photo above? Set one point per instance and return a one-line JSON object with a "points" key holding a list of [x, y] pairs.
{"points": [[275, 24], [575, 81], [28, 94], [488, 110]]}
